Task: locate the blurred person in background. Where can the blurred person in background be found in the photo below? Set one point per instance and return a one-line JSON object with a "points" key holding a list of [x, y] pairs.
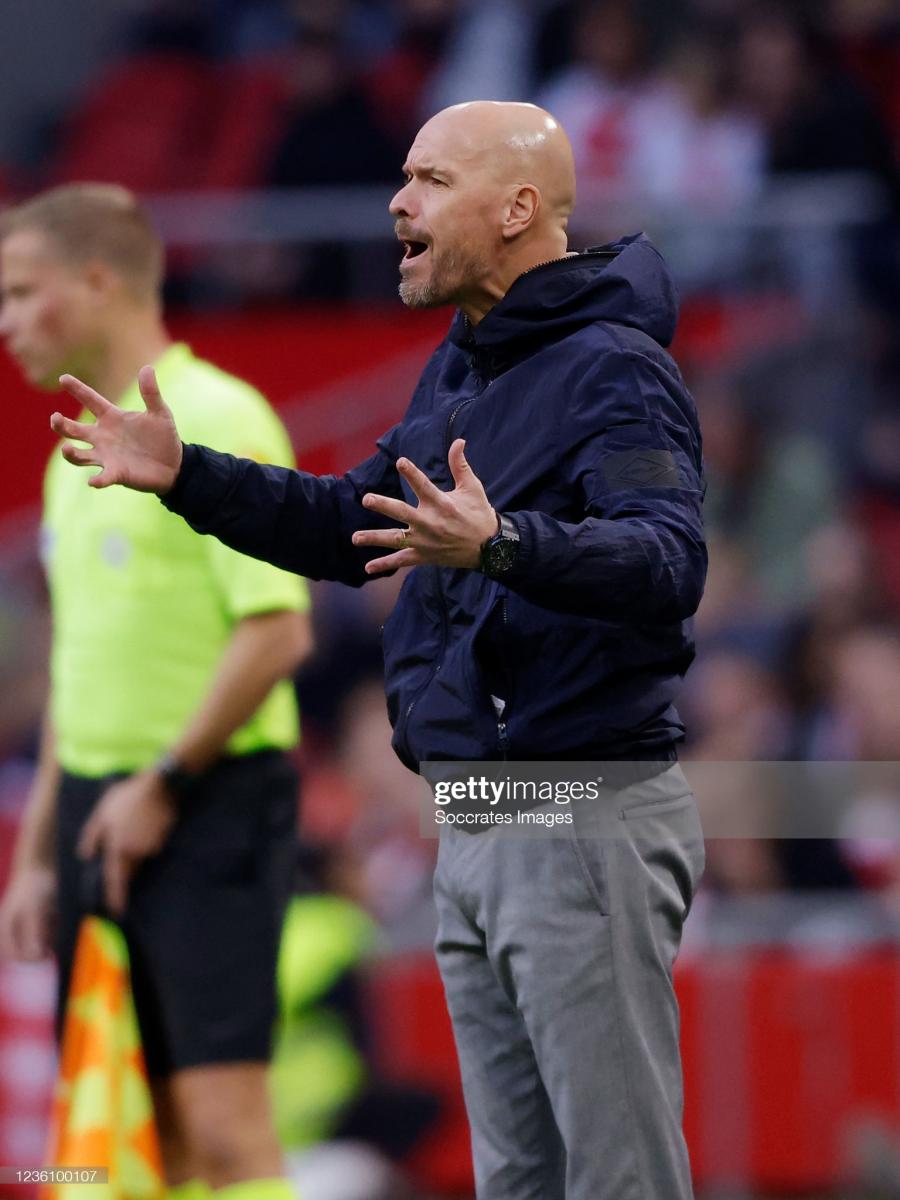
{"points": [[819, 121], [554, 627], [736, 709], [328, 108], [325, 107], [399, 80], [170, 26], [660, 126], [164, 749], [865, 693], [344, 1123], [816, 117], [395, 861], [704, 150], [611, 98], [866, 34], [770, 488], [853, 661], [847, 595], [471, 64]]}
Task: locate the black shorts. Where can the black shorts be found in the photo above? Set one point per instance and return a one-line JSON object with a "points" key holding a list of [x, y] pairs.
{"points": [[204, 916]]}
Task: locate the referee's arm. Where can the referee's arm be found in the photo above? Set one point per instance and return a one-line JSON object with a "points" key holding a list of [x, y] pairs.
{"points": [[134, 817], [28, 905], [264, 648]]}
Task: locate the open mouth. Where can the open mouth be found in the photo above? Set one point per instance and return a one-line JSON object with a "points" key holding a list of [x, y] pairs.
{"points": [[413, 249]]}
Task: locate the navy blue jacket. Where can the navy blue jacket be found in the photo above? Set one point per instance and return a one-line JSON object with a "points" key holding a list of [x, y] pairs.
{"points": [[580, 427]]}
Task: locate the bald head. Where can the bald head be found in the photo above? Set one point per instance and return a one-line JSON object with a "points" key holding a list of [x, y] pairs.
{"points": [[490, 187], [511, 144]]}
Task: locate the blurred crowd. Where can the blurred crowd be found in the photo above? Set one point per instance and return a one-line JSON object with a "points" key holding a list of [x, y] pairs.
{"points": [[684, 101], [689, 111], [695, 106]]}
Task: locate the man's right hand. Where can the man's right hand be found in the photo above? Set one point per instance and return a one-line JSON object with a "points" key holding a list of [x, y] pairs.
{"points": [[140, 450], [27, 915]]}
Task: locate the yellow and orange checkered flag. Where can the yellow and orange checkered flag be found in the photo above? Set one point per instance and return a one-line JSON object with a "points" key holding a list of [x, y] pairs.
{"points": [[103, 1110]]}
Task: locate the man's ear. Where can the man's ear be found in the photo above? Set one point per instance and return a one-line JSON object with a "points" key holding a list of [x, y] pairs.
{"points": [[521, 209], [101, 281]]}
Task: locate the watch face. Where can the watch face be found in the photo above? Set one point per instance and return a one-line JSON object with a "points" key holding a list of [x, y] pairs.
{"points": [[501, 555]]}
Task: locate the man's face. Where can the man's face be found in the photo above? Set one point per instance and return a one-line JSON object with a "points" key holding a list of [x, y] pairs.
{"points": [[47, 308], [448, 215]]}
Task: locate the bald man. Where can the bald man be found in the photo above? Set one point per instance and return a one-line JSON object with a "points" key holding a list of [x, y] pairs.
{"points": [[545, 487]]}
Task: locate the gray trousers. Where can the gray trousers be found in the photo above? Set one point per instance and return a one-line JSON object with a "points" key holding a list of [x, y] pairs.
{"points": [[556, 955]]}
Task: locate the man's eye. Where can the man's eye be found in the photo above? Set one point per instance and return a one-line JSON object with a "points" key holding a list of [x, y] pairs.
{"points": [[438, 182]]}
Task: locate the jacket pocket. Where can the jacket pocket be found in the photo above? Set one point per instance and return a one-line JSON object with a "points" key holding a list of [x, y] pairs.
{"points": [[590, 853], [656, 808], [667, 836]]}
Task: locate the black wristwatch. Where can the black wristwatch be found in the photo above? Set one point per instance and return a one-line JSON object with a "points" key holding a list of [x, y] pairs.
{"points": [[177, 779], [499, 552]]}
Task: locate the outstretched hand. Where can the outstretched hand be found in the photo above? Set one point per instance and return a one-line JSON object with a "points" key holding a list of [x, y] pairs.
{"points": [[140, 450], [447, 529]]}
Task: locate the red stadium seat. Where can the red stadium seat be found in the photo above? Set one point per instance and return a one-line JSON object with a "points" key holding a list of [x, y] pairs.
{"points": [[172, 122], [146, 124], [250, 113]]}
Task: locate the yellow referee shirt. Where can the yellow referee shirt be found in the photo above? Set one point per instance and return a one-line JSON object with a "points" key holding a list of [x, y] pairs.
{"points": [[142, 606]]}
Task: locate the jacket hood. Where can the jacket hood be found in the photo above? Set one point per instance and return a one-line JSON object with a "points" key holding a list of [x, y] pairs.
{"points": [[625, 281]]}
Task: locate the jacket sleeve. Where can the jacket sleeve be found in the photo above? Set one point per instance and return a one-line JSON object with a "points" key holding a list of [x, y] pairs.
{"points": [[632, 462], [295, 520]]}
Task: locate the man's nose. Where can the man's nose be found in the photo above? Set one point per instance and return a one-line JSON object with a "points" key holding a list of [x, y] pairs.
{"points": [[399, 206]]}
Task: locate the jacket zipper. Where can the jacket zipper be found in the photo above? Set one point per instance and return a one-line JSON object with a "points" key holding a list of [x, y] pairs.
{"points": [[417, 697], [547, 263], [501, 724], [502, 734], [462, 404], [502, 739], [457, 408]]}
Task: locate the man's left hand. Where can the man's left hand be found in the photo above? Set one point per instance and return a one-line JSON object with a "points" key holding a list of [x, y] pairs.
{"points": [[447, 529], [131, 822]]}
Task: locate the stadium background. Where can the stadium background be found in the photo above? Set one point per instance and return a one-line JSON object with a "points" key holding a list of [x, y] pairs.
{"points": [[759, 145]]}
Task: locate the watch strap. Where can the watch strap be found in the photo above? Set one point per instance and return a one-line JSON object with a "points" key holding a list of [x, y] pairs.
{"points": [[177, 779]]}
